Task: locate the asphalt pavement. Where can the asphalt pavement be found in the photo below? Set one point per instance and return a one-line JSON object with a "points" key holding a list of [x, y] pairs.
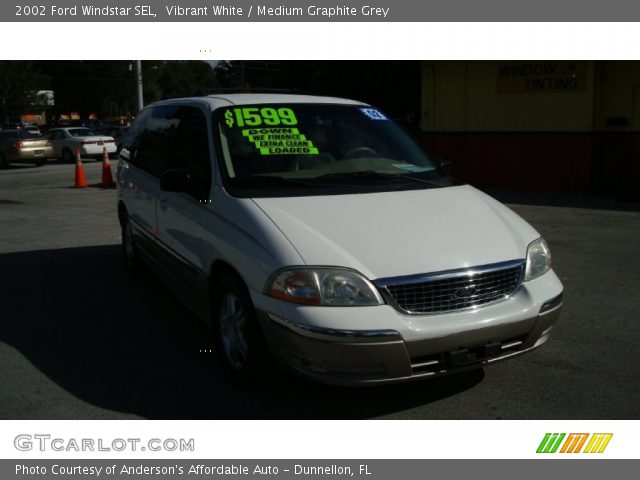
{"points": [[79, 339]]}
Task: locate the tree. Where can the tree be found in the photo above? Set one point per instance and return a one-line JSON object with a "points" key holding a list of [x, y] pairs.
{"points": [[394, 86], [106, 88], [19, 82], [170, 79], [101, 87]]}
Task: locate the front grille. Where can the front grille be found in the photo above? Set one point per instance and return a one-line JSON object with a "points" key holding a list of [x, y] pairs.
{"points": [[454, 290]]}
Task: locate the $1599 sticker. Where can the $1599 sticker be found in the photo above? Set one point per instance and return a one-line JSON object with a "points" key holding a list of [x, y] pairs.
{"points": [[255, 117]]}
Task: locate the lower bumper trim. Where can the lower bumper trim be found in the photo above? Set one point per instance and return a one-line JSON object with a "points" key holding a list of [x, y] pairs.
{"points": [[336, 335], [375, 357]]}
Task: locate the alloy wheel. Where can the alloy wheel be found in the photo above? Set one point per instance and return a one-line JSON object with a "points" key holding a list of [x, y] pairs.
{"points": [[233, 332]]}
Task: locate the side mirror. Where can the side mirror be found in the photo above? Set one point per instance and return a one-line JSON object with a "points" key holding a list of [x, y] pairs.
{"points": [[445, 165], [176, 180]]}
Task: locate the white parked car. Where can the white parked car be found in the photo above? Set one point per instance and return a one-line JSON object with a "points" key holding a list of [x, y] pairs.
{"points": [[33, 130], [314, 231], [66, 140]]}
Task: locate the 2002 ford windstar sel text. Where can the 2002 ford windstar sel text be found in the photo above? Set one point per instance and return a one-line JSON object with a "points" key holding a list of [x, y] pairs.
{"points": [[314, 231]]}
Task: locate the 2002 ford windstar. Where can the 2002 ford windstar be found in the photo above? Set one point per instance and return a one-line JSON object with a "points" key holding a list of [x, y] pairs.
{"points": [[313, 230]]}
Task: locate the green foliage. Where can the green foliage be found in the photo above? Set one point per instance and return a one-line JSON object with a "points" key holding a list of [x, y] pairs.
{"points": [[394, 86], [178, 79], [19, 82], [107, 87]]}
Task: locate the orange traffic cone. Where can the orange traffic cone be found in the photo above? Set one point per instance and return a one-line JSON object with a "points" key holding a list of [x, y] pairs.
{"points": [[81, 179], [107, 176]]}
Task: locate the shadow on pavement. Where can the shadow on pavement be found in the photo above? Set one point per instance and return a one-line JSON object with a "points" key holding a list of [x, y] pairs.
{"points": [[20, 166], [128, 345], [560, 199]]}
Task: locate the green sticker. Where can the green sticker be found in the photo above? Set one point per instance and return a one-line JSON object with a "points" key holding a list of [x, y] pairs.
{"points": [[257, 117], [280, 141], [273, 133], [289, 151], [265, 134]]}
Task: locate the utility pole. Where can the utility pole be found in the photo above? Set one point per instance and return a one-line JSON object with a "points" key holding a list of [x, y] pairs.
{"points": [[139, 84]]}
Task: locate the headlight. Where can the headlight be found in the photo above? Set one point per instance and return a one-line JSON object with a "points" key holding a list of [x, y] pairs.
{"points": [[538, 259], [323, 286]]}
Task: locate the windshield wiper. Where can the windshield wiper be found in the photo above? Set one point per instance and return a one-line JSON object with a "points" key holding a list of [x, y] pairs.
{"points": [[381, 175]]}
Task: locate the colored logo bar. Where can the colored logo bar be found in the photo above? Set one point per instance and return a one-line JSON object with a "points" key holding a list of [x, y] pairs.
{"points": [[574, 443]]}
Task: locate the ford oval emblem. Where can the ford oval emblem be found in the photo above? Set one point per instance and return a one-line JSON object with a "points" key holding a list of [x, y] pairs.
{"points": [[465, 292]]}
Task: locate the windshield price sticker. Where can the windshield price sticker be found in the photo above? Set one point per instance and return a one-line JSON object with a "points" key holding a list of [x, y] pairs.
{"points": [[256, 117], [280, 141], [373, 114]]}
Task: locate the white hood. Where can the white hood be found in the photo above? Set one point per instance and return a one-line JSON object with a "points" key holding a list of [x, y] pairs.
{"points": [[401, 233]]}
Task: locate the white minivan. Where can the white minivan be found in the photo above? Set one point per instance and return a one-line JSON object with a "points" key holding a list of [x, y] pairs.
{"points": [[314, 231]]}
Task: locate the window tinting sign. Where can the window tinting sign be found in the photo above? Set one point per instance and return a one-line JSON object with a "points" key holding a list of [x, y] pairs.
{"points": [[541, 77]]}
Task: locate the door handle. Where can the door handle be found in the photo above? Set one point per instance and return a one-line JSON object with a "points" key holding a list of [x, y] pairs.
{"points": [[163, 203]]}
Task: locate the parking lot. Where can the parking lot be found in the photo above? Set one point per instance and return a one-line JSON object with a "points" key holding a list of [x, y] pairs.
{"points": [[81, 340]]}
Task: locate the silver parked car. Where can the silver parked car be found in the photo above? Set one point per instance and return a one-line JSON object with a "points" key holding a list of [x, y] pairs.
{"points": [[22, 146]]}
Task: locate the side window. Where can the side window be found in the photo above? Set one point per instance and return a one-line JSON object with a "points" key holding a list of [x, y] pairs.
{"points": [[153, 150], [171, 136], [132, 140], [191, 149]]}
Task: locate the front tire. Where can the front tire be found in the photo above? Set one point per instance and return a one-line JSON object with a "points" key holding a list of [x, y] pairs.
{"points": [[238, 338], [4, 163], [67, 156]]}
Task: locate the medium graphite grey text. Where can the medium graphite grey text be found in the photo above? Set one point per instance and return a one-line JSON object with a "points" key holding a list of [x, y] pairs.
{"points": [[279, 11]]}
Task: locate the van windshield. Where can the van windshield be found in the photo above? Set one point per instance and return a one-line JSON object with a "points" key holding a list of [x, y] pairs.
{"points": [[308, 149]]}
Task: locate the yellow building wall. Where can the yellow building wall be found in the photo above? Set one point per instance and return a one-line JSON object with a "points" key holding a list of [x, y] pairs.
{"points": [[497, 119], [479, 96], [619, 96]]}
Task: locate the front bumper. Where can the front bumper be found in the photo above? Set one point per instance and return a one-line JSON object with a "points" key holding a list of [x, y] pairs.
{"points": [[400, 348]]}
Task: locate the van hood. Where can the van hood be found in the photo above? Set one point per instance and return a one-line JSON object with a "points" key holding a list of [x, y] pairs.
{"points": [[397, 233]]}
